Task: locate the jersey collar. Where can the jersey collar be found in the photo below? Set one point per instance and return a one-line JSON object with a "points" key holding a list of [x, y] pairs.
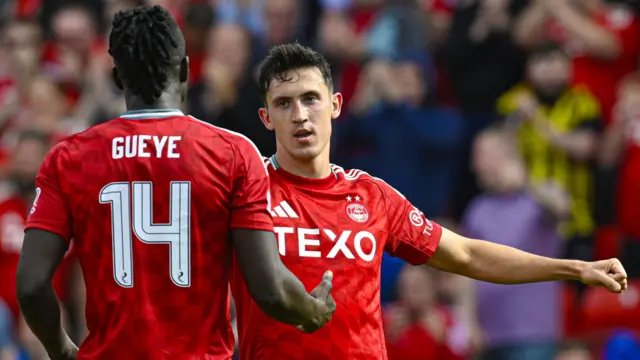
{"points": [[323, 183], [150, 114]]}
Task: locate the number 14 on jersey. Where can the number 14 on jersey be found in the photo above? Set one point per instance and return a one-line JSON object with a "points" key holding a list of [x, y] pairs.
{"points": [[139, 209]]}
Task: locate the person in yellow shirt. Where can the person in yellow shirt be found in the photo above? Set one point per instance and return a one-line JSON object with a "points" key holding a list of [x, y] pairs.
{"points": [[557, 126]]}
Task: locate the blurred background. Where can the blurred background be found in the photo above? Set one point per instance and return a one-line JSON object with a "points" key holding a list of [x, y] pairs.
{"points": [[516, 121]]}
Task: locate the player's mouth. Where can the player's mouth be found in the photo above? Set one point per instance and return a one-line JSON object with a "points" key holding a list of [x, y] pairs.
{"points": [[303, 135]]}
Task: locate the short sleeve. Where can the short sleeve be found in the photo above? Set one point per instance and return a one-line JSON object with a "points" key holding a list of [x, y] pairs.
{"points": [[251, 198], [412, 237], [50, 210]]}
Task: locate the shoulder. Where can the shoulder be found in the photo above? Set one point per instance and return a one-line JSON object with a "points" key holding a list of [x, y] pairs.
{"points": [[82, 141], [62, 149], [585, 101], [508, 101], [360, 178], [582, 93]]}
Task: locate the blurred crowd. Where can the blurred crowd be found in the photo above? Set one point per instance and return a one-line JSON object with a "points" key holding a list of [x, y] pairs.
{"points": [[516, 121]]}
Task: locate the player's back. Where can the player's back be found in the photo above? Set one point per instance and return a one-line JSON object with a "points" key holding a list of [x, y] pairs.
{"points": [[152, 210]]}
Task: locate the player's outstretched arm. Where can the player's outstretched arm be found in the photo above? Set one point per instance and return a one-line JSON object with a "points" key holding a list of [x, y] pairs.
{"points": [[42, 252], [274, 288], [486, 261]]}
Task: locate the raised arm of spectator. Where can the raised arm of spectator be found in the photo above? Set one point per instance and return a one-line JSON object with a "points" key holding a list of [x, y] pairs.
{"points": [[627, 107], [596, 40], [580, 144], [527, 28]]}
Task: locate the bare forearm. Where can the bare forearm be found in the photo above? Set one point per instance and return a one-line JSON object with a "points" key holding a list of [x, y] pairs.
{"points": [[286, 300], [272, 286], [579, 145], [42, 313], [506, 265], [297, 306], [598, 41], [526, 28]]}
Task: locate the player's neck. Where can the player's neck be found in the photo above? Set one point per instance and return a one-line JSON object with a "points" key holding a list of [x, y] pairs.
{"points": [[165, 101], [318, 168]]}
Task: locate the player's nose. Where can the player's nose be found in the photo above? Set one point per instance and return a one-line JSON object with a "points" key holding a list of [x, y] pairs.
{"points": [[299, 113]]}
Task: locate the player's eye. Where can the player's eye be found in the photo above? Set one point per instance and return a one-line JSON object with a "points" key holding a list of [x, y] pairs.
{"points": [[283, 103], [311, 99]]}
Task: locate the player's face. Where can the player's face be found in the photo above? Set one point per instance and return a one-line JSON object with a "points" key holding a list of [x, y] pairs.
{"points": [[300, 111]]}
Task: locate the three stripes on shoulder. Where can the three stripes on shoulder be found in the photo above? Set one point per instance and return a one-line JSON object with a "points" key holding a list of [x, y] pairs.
{"points": [[283, 210]]}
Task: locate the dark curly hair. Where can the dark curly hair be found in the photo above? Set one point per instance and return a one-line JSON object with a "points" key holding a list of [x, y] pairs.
{"points": [[146, 43]]}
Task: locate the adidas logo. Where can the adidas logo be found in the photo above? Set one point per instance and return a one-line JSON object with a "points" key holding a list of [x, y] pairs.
{"points": [[283, 210]]}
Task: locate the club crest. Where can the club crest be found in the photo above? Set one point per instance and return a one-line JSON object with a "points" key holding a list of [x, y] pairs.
{"points": [[357, 212]]}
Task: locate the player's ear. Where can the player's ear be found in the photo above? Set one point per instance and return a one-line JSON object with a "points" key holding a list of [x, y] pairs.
{"points": [[184, 78], [116, 78], [336, 103], [264, 117], [184, 70]]}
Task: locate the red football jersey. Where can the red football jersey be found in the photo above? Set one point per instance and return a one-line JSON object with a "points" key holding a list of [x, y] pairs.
{"points": [[342, 223], [149, 199]]}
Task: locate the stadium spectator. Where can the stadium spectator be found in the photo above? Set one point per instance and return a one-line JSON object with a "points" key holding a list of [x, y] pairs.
{"points": [[370, 30], [602, 40], [17, 193], [480, 34], [20, 44], [621, 147], [198, 21], [65, 58], [528, 222], [417, 327], [228, 94], [557, 127], [397, 132], [403, 134]]}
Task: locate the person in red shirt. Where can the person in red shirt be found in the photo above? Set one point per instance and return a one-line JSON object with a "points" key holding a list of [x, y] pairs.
{"points": [[602, 39], [621, 148], [326, 217], [153, 201], [416, 326], [16, 195]]}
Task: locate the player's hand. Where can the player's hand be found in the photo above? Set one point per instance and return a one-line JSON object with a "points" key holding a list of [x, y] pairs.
{"points": [[322, 293], [609, 274]]}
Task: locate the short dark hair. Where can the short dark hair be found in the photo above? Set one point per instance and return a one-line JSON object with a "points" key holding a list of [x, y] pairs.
{"points": [[145, 43], [286, 57]]}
